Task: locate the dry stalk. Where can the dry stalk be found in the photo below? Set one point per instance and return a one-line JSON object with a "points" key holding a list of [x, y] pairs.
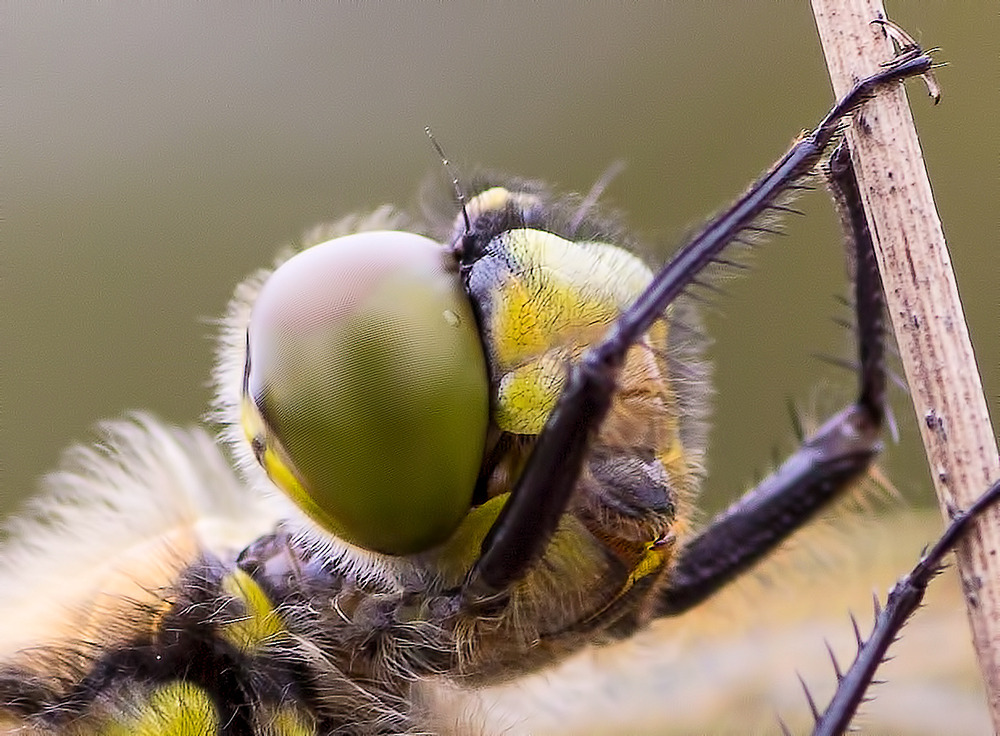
{"points": [[925, 311]]}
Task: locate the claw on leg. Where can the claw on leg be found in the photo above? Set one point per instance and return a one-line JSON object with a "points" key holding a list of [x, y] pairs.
{"points": [[907, 48]]}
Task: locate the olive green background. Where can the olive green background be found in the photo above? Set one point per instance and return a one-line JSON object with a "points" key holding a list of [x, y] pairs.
{"points": [[155, 154]]}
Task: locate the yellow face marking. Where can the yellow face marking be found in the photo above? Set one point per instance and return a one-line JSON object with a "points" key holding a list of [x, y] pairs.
{"points": [[456, 556], [543, 300], [527, 394], [557, 293], [547, 299]]}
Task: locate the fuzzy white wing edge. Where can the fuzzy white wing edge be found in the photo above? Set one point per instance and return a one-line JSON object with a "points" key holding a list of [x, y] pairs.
{"points": [[114, 526]]}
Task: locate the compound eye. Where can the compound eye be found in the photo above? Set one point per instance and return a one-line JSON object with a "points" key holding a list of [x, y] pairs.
{"points": [[365, 392]]}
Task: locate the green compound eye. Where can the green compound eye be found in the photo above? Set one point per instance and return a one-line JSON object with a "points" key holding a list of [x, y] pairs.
{"points": [[365, 390]]}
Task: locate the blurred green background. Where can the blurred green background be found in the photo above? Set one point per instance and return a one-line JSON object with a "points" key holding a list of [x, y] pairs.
{"points": [[155, 154]]}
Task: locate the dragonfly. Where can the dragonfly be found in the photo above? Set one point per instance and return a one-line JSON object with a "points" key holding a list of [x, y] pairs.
{"points": [[465, 451]]}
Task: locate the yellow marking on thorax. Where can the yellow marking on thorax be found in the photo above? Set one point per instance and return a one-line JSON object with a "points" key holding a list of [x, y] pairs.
{"points": [[288, 720], [175, 709], [260, 623]]}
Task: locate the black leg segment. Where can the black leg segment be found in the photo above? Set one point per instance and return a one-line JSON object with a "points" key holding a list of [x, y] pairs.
{"points": [[542, 493], [825, 464], [904, 599]]}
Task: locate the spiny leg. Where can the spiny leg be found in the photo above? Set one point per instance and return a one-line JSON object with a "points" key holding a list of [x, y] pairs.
{"points": [[825, 464], [904, 599], [523, 529]]}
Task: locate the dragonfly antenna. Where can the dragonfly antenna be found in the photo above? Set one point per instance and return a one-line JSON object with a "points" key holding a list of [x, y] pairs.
{"points": [[459, 195]]}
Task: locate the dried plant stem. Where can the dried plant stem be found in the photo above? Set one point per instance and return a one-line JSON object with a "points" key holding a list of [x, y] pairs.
{"points": [[925, 310]]}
